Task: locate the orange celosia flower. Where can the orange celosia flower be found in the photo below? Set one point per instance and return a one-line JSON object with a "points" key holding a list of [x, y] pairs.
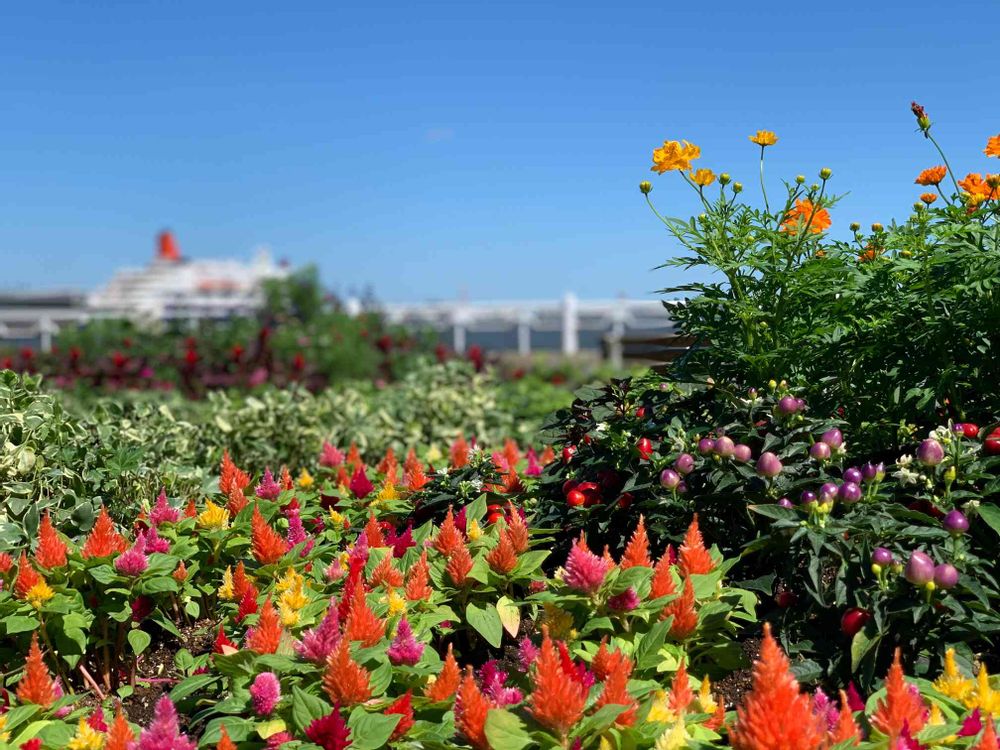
{"points": [[286, 481], [511, 452], [993, 146], [775, 714], [681, 694], [662, 583], [416, 479], [517, 529], [558, 699], [236, 501], [230, 476], [471, 708], [548, 456], [459, 453], [806, 215], [36, 684], [637, 550], [27, 577], [605, 661], [988, 740], [266, 637], [180, 573], [616, 692], [459, 565], [502, 558], [449, 538], [417, 579], [362, 624], [411, 462], [242, 583], [103, 540], [120, 734], [353, 456], [51, 550], [847, 728], [6, 563], [267, 544], [718, 718], [190, 510], [385, 574], [512, 484], [225, 743], [693, 558], [344, 680], [446, 683], [388, 463], [932, 175], [900, 708], [374, 532], [683, 611]]}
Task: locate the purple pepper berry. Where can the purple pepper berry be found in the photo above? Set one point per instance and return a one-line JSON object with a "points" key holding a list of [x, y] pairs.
{"points": [[853, 474], [724, 447], [742, 453], [785, 503], [849, 493], [706, 446], [684, 463], [820, 451], [919, 569], [882, 556], [769, 465], [873, 472], [827, 492], [833, 437], [788, 405], [930, 452], [945, 576], [955, 522], [682, 488], [669, 479], [808, 497]]}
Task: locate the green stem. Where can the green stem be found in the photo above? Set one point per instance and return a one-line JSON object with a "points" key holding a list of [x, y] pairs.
{"points": [[944, 158], [763, 189]]}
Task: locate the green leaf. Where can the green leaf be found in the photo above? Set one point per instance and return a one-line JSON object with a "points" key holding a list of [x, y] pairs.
{"points": [[370, 731], [139, 640], [190, 685], [650, 645], [307, 708], [505, 731], [990, 514], [19, 624], [486, 621]]}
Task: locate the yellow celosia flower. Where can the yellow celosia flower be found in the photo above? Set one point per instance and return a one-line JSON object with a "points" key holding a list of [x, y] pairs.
{"points": [[606, 744], [434, 455], [291, 580], [289, 616], [985, 698], [706, 703], [4, 736], [952, 682], [387, 493], [703, 177], [675, 738], [86, 738], [935, 718], [764, 138], [397, 604], [305, 480], [343, 560], [660, 710], [38, 594], [674, 155], [337, 518], [213, 517], [472, 530], [226, 590], [559, 621]]}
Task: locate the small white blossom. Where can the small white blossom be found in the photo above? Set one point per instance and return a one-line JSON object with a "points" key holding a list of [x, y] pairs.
{"points": [[905, 460], [907, 476]]}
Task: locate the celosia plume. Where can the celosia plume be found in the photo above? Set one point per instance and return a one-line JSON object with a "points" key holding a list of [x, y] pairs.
{"points": [[683, 611], [637, 549], [405, 648], [230, 477], [267, 544], [459, 566], [616, 692], [446, 682], [345, 681], [584, 571], [51, 550], [120, 734], [449, 538], [361, 623], [265, 692], [557, 700], [417, 578], [471, 709], [163, 732], [502, 558], [103, 540], [266, 636], [403, 707], [901, 708], [317, 643], [694, 558], [36, 685]]}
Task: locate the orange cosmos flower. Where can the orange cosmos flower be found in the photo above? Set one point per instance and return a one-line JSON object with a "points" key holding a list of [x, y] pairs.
{"points": [[928, 198], [417, 579], [637, 550], [345, 681], [993, 146], [979, 189], [51, 550], [103, 540], [674, 155], [267, 544], [225, 743], [703, 177], [683, 611], [446, 683], [362, 624], [847, 728], [662, 583], [120, 734], [385, 574], [471, 708], [459, 565], [799, 217], [764, 138], [932, 175], [558, 699], [694, 559], [374, 532], [36, 684], [901, 708], [266, 637], [27, 577], [502, 558], [231, 477], [449, 538], [616, 692], [775, 713], [681, 694]]}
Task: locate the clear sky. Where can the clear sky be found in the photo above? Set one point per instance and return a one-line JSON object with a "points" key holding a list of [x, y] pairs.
{"points": [[433, 149]]}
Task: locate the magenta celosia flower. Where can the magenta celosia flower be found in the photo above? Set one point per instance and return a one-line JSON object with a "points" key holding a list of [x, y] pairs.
{"points": [[534, 468], [527, 652], [57, 692], [277, 740], [297, 533], [265, 692], [400, 542], [334, 572], [153, 542], [360, 485], [330, 457], [318, 643], [825, 709], [500, 461], [162, 512], [358, 554], [96, 720], [576, 670], [163, 732], [584, 571], [625, 601], [268, 489], [493, 680], [330, 732], [854, 700], [405, 648], [972, 725], [133, 561], [460, 522]]}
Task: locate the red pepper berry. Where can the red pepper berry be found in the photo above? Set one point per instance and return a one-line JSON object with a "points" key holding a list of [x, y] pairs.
{"points": [[645, 448], [853, 620]]}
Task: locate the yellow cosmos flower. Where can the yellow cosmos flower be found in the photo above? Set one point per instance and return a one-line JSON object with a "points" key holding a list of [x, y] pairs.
{"points": [[660, 710], [952, 682], [86, 738], [472, 530], [305, 480], [397, 604], [38, 594], [559, 621], [337, 519], [226, 590], [706, 703], [703, 177], [764, 138], [674, 155], [985, 698], [213, 517], [675, 738]]}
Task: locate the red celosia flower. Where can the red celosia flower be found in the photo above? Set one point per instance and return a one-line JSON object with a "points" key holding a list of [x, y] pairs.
{"points": [[385, 574], [417, 578], [389, 463], [353, 455], [694, 558], [266, 637], [32, 744], [459, 565], [120, 736], [517, 529], [988, 741], [51, 550], [459, 452], [637, 550], [190, 509], [775, 714], [662, 583], [683, 611], [248, 604], [268, 546], [681, 694], [471, 708], [223, 645], [362, 624], [447, 680], [449, 538], [403, 706], [103, 540], [231, 477], [616, 692], [605, 661], [27, 577], [330, 732], [374, 532], [502, 558], [558, 699], [346, 681], [6, 563], [224, 743], [360, 484], [36, 684], [901, 708], [847, 728]]}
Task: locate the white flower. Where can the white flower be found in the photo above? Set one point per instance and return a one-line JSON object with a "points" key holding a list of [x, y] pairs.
{"points": [[905, 460], [601, 427], [476, 483], [906, 476]]}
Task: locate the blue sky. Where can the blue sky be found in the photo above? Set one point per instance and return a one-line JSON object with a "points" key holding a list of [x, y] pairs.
{"points": [[434, 149]]}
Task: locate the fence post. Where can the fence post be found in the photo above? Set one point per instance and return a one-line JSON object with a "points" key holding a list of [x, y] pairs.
{"points": [[524, 335], [570, 325]]}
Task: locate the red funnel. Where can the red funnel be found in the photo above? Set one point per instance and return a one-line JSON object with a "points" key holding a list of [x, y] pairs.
{"points": [[167, 247]]}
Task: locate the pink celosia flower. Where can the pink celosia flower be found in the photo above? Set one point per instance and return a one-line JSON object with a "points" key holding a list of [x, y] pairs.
{"points": [[625, 601], [493, 680], [534, 468], [163, 732], [265, 692], [825, 709], [133, 561], [297, 533], [318, 643], [527, 652], [57, 693], [153, 542], [334, 572], [584, 571], [854, 700], [972, 725], [330, 732], [162, 512], [330, 457], [96, 720], [268, 489], [277, 740], [359, 551], [405, 649], [360, 485]]}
